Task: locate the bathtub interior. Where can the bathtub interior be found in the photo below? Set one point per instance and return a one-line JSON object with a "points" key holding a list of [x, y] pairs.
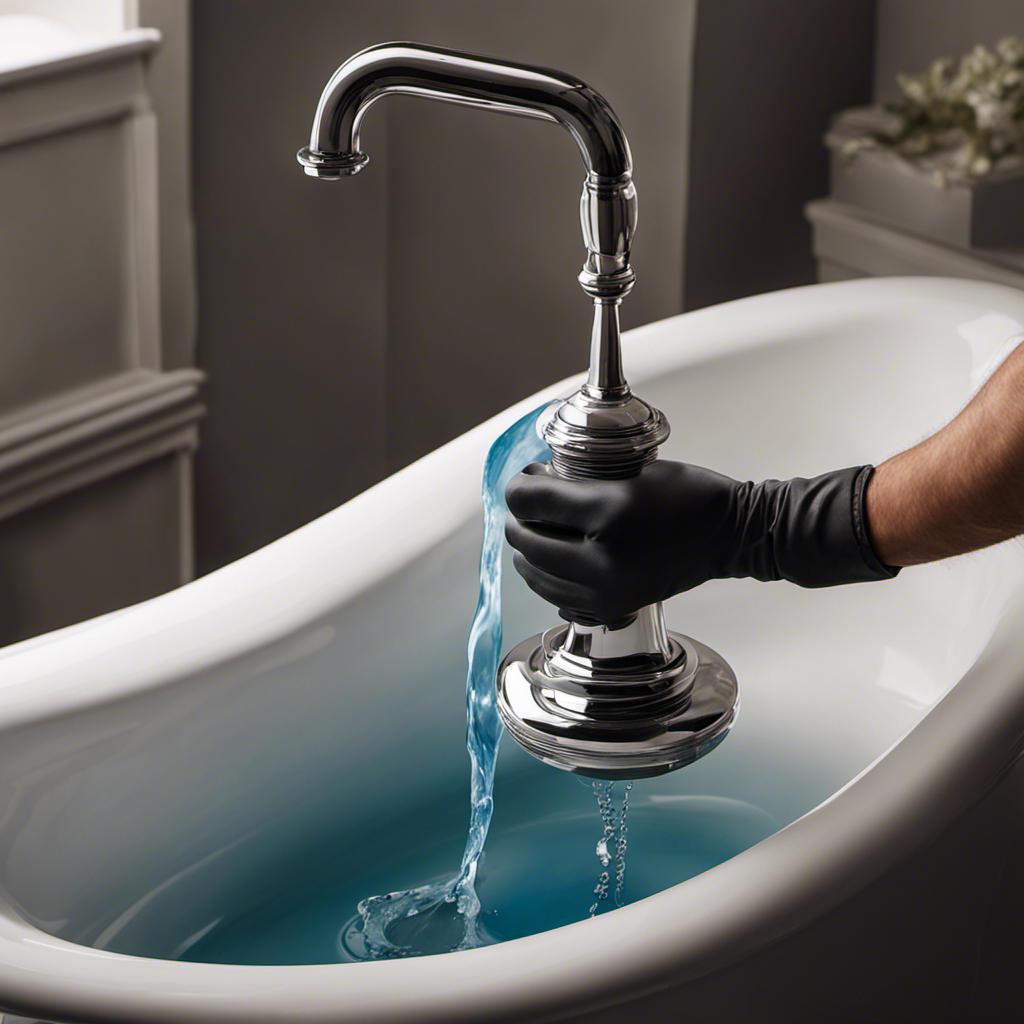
{"points": [[145, 825]]}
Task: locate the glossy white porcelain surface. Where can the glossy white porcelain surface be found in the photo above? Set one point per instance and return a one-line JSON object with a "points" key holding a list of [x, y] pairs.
{"points": [[140, 752]]}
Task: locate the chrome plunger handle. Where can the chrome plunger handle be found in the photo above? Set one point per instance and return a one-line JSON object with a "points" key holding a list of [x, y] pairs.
{"points": [[611, 701]]}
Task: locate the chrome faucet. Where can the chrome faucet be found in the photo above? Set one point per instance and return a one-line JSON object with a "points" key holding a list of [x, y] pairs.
{"points": [[622, 700]]}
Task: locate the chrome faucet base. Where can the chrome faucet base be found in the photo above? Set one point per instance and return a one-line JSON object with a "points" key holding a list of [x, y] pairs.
{"points": [[631, 716]]}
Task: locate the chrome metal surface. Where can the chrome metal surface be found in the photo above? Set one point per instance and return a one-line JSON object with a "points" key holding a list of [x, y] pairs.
{"points": [[620, 724], [603, 434], [608, 202], [645, 634], [471, 79], [620, 700]]}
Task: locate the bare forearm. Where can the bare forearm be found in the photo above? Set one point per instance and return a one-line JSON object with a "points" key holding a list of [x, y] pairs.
{"points": [[962, 488]]}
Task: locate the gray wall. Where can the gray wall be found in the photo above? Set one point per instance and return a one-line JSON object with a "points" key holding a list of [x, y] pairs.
{"points": [[911, 33], [767, 78], [485, 241], [291, 296], [349, 327], [168, 83]]}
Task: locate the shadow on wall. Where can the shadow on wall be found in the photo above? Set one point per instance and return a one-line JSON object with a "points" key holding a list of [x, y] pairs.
{"points": [[348, 328], [767, 79]]}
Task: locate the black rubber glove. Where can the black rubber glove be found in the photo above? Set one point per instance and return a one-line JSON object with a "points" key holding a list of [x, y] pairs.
{"points": [[601, 550]]}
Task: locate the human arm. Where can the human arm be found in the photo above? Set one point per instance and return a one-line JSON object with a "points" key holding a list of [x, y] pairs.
{"points": [[605, 548], [962, 488]]}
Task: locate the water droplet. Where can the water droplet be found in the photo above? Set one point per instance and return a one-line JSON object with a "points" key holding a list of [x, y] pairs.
{"points": [[612, 839]]}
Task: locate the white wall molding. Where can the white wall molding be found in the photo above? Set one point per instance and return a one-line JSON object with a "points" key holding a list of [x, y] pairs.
{"points": [[96, 434], [92, 81], [60, 445], [79, 287], [169, 86]]}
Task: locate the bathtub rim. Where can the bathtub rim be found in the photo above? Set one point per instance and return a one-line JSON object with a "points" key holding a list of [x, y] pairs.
{"points": [[97, 647], [912, 791]]}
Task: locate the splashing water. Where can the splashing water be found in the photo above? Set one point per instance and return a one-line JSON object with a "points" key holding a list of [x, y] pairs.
{"points": [[612, 844], [443, 916]]}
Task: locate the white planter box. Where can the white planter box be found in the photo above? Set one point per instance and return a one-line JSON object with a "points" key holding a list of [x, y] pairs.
{"points": [[982, 214]]}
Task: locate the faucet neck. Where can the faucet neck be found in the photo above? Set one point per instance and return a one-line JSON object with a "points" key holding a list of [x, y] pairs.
{"points": [[606, 379], [471, 79], [606, 700]]}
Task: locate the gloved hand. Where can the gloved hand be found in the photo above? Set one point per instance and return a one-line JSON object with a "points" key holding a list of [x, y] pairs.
{"points": [[602, 549]]}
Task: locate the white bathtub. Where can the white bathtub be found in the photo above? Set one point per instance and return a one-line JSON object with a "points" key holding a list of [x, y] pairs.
{"points": [[158, 764]]}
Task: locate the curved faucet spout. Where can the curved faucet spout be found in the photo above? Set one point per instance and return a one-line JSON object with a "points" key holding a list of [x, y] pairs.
{"points": [[466, 78], [608, 203]]}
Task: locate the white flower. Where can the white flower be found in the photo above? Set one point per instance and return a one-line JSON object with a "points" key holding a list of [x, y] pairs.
{"points": [[979, 166], [1011, 49], [990, 113], [913, 88], [968, 121]]}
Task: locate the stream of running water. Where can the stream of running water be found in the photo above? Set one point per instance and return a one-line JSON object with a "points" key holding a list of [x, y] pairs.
{"points": [[451, 906]]}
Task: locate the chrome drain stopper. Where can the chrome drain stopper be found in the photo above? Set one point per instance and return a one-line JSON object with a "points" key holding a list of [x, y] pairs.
{"points": [[614, 703]]}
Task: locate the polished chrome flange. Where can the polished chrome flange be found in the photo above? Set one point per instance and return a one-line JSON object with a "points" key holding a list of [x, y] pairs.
{"points": [[572, 701]]}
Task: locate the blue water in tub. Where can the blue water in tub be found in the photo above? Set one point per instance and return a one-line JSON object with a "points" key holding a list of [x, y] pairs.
{"points": [[538, 872], [548, 843]]}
